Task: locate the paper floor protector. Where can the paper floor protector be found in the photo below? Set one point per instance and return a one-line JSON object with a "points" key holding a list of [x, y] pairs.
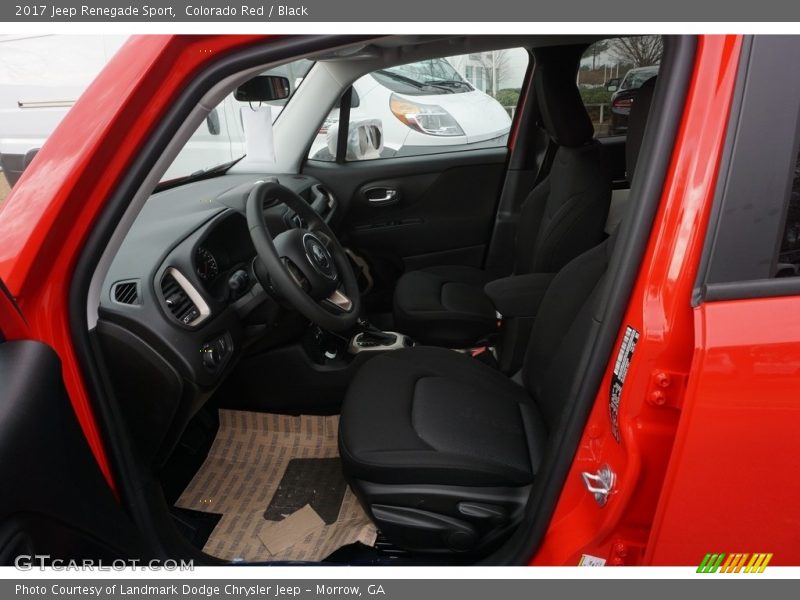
{"points": [[246, 467]]}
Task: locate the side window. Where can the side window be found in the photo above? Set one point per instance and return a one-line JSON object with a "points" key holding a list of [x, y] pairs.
{"points": [[788, 261], [428, 107], [610, 74]]}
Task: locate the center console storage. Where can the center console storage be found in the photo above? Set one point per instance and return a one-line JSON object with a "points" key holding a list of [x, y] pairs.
{"points": [[517, 300]]}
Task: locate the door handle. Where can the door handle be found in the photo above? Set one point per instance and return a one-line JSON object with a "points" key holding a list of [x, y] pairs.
{"points": [[382, 196]]}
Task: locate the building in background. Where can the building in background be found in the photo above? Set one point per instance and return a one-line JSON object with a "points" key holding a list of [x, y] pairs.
{"points": [[494, 71]]}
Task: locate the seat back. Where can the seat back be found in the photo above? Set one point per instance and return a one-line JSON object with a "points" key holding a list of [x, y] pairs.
{"points": [[565, 322], [565, 214]]}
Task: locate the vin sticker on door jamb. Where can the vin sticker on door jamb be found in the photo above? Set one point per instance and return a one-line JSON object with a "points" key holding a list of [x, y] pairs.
{"points": [[621, 365]]}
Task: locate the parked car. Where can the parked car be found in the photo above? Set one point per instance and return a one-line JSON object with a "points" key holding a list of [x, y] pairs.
{"points": [[41, 78], [185, 364], [623, 96]]}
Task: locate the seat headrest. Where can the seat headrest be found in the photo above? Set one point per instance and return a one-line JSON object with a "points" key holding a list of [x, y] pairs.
{"points": [[637, 121], [563, 113]]}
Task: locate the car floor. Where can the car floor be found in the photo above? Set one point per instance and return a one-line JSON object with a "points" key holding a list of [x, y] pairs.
{"points": [[278, 484], [237, 475]]}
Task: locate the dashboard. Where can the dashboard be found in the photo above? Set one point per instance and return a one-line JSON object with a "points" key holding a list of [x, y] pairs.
{"points": [[181, 300]]}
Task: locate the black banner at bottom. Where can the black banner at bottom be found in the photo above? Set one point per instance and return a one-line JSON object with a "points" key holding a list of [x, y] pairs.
{"points": [[705, 586]]}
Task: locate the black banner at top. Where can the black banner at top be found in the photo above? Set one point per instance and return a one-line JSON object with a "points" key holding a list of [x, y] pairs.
{"points": [[258, 11]]}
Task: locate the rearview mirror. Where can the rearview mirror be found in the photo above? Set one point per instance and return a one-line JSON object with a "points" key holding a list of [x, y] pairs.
{"points": [[263, 88], [613, 84]]}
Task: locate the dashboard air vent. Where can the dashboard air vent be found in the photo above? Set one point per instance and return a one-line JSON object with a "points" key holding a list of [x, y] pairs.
{"points": [[182, 300], [126, 292]]}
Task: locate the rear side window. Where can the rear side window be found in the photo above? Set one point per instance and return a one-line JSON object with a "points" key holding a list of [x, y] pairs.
{"points": [[610, 74], [432, 106]]}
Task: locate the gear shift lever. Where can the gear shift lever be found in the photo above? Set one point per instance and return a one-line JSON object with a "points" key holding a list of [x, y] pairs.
{"points": [[372, 336]]}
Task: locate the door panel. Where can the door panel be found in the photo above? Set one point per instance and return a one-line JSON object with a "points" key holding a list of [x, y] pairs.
{"points": [[736, 456], [441, 211], [57, 501]]}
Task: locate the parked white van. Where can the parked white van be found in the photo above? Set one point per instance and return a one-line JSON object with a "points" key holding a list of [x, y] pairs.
{"points": [[41, 77], [414, 106]]}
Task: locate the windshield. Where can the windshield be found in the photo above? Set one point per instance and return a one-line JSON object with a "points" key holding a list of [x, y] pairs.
{"points": [[635, 79], [220, 140]]}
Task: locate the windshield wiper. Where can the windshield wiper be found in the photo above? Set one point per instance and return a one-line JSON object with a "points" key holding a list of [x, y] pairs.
{"points": [[450, 82], [417, 84], [197, 175], [402, 78]]}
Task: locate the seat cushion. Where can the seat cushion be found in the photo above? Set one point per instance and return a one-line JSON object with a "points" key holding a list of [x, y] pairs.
{"points": [[431, 415], [444, 306]]}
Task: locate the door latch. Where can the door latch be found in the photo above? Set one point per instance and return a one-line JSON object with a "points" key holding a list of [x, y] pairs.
{"points": [[600, 484], [382, 196]]}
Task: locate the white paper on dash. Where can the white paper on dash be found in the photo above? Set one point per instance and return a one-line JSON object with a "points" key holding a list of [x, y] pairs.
{"points": [[259, 141]]}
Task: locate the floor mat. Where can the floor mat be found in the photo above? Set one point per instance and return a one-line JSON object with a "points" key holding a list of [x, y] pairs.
{"points": [[277, 482], [318, 482]]}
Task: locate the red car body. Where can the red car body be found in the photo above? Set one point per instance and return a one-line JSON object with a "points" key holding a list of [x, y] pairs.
{"points": [[708, 458]]}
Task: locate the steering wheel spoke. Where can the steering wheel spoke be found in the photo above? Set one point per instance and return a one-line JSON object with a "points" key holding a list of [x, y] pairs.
{"points": [[340, 301], [297, 274]]}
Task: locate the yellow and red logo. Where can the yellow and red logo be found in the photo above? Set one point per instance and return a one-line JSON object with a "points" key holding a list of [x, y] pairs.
{"points": [[734, 563]]}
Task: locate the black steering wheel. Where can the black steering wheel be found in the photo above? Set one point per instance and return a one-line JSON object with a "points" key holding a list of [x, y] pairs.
{"points": [[307, 266]]}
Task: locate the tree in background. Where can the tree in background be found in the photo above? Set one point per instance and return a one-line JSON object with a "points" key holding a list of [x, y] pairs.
{"points": [[639, 51], [596, 49], [495, 64]]}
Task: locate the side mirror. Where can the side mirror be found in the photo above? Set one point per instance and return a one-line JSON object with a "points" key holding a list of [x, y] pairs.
{"points": [[364, 139], [613, 84], [263, 88]]}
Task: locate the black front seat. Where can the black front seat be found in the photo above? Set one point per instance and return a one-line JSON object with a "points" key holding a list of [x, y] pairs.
{"points": [[441, 448], [562, 217]]}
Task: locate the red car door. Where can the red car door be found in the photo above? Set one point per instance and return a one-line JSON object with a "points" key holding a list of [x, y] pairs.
{"points": [[732, 478], [46, 465], [627, 443]]}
